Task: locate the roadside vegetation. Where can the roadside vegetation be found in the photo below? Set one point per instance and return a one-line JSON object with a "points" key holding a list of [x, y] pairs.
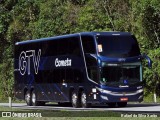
{"points": [[72, 115], [32, 19]]}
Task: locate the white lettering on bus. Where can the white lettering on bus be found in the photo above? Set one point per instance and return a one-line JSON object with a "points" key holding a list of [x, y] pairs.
{"points": [[59, 63], [24, 61]]}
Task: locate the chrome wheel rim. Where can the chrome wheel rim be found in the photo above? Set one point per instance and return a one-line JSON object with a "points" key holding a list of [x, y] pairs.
{"points": [[27, 97], [74, 99], [33, 98], [83, 99]]}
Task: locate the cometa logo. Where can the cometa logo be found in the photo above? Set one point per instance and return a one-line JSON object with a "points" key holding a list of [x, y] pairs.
{"points": [[60, 63]]}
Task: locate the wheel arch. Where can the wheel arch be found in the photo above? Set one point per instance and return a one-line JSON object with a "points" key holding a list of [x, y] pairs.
{"points": [[27, 89]]}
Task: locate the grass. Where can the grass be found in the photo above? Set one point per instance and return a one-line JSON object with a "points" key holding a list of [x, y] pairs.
{"points": [[74, 115], [13, 101], [149, 98], [64, 113], [5, 108], [81, 118]]}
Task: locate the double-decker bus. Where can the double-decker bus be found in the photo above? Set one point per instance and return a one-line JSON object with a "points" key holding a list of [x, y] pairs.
{"points": [[82, 68]]}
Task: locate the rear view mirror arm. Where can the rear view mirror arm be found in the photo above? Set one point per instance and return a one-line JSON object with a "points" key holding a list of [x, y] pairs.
{"points": [[148, 59]]}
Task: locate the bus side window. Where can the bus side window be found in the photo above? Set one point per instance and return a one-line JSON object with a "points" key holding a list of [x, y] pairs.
{"points": [[93, 73], [88, 44], [52, 48], [78, 74], [89, 47], [74, 46], [39, 77], [49, 48], [62, 46], [59, 75], [92, 68], [69, 75]]}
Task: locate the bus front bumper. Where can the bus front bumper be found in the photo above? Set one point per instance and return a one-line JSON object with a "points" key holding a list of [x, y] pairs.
{"points": [[109, 96]]}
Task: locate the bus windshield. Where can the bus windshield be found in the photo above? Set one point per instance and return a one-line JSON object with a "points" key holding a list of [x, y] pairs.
{"points": [[117, 46], [119, 75]]}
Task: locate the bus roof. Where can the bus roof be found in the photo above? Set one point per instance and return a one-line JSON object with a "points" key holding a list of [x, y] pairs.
{"points": [[109, 33]]}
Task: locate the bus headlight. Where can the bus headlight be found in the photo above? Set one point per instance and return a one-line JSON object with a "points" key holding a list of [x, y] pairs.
{"points": [[104, 97]]}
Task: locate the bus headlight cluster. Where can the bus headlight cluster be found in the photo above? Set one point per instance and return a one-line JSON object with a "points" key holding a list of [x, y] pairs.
{"points": [[104, 97]]}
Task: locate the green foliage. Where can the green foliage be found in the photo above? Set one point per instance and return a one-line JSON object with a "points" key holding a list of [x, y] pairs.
{"points": [[30, 19], [152, 77]]}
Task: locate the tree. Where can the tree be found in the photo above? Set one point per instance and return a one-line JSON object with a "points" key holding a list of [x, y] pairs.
{"points": [[32, 19]]}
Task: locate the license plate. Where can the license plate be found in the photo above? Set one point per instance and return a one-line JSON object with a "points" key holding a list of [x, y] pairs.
{"points": [[123, 99]]}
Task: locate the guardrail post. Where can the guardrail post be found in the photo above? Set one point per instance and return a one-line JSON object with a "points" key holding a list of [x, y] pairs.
{"points": [[155, 98], [10, 102]]}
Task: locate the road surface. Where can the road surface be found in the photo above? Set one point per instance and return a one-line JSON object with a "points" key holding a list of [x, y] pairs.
{"points": [[136, 107]]}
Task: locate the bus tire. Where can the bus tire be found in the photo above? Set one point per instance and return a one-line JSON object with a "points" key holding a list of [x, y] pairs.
{"points": [[27, 98], [122, 104], [34, 99], [84, 103], [112, 104], [75, 100]]}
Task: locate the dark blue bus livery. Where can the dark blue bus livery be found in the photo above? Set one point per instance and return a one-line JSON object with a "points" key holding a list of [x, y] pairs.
{"points": [[82, 69]]}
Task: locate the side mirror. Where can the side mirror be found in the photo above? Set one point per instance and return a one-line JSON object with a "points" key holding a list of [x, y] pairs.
{"points": [[144, 56]]}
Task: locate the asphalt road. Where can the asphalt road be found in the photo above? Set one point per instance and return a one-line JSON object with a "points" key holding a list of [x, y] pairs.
{"points": [[136, 107]]}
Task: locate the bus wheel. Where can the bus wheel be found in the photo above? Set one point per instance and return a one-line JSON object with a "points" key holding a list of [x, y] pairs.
{"points": [[112, 104], [34, 99], [75, 100], [84, 103], [28, 98], [122, 104]]}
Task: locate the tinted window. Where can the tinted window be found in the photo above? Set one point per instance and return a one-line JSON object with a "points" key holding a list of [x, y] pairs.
{"points": [[74, 46], [62, 47], [92, 68], [129, 75], [50, 76], [26, 47], [49, 48], [89, 47], [117, 46], [78, 76], [39, 77], [59, 75], [67, 75], [88, 44], [93, 73]]}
